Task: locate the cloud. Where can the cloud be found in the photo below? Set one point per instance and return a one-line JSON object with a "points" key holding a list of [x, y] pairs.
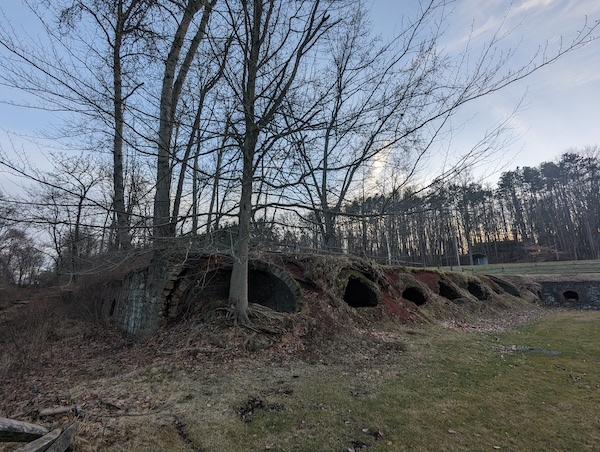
{"points": [[533, 4]]}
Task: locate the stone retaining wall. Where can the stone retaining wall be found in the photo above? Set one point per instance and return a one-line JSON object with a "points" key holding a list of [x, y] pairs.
{"points": [[578, 292]]}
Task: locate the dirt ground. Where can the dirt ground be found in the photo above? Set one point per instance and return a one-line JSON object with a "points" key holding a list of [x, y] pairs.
{"points": [[52, 358]]}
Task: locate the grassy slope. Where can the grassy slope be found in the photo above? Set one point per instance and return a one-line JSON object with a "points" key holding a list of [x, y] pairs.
{"points": [[431, 389], [532, 268]]}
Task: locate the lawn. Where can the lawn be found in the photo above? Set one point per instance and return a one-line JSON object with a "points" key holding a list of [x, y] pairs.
{"points": [[420, 389], [532, 268]]}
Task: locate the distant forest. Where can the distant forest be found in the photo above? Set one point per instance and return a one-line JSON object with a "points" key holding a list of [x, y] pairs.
{"points": [[549, 212]]}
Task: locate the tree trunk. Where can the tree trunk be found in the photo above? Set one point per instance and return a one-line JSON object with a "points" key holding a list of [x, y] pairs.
{"points": [[259, 20], [195, 133], [75, 251], [330, 239], [171, 90], [123, 238], [238, 289], [195, 194], [215, 188]]}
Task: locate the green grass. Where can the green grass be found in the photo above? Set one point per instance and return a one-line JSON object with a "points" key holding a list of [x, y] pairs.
{"points": [[493, 396], [449, 390], [531, 268]]}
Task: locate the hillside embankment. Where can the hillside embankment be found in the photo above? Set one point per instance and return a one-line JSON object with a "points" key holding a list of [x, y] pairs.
{"points": [[347, 319]]}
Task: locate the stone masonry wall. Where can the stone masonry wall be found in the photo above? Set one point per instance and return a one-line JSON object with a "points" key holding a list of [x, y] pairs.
{"points": [[587, 294]]}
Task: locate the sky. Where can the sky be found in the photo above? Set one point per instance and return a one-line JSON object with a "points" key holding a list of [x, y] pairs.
{"points": [[559, 110]]}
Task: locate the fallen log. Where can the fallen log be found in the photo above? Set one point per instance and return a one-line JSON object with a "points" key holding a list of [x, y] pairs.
{"points": [[59, 410], [16, 431], [64, 440], [41, 444], [56, 441]]}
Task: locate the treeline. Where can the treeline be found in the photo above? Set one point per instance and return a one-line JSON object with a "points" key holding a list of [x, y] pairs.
{"points": [[534, 213], [549, 212]]}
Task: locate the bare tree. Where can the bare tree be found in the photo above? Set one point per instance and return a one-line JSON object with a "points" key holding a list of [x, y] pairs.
{"points": [[390, 103], [68, 73], [123, 24], [20, 259], [207, 82], [271, 38], [174, 76], [68, 203]]}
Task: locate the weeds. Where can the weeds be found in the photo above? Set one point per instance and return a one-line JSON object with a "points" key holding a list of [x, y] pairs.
{"points": [[379, 386], [446, 389], [25, 338]]}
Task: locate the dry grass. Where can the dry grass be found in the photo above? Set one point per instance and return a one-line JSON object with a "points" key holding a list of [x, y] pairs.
{"points": [[26, 324], [419, 389], [531, 268], [198, 386]]}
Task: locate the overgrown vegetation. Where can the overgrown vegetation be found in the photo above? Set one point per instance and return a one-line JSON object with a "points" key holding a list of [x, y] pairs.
{"points": [[462, 384], [271, 125]]}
